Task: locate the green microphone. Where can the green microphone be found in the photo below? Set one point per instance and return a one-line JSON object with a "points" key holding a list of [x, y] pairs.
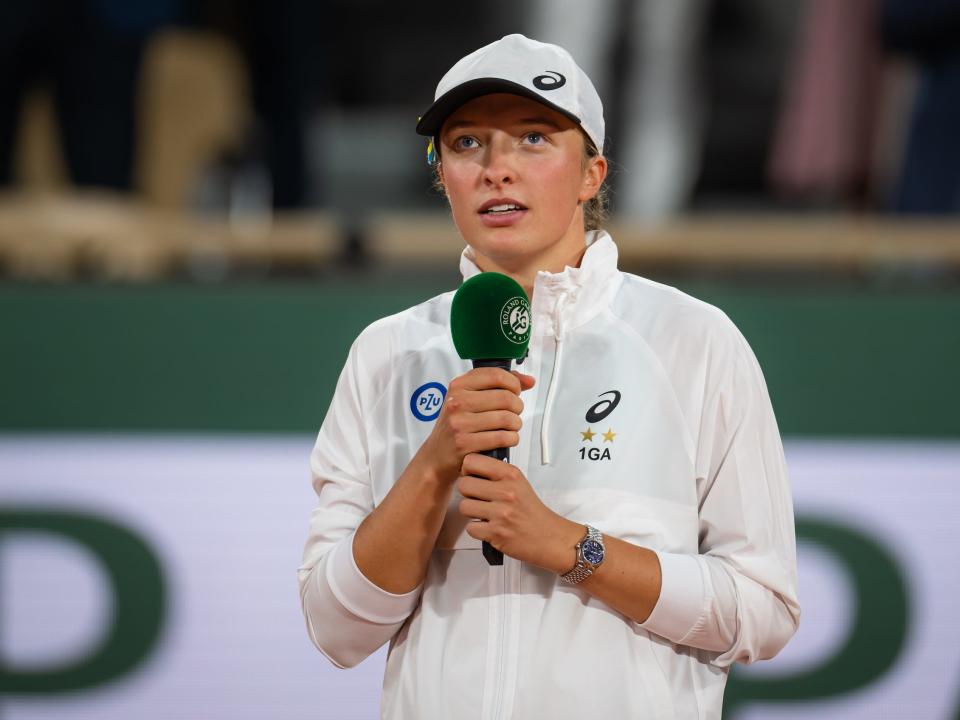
{"points": [[490, 324]]}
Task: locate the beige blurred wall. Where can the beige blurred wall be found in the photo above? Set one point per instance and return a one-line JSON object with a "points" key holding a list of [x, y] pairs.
{"points": [[194, 105]]}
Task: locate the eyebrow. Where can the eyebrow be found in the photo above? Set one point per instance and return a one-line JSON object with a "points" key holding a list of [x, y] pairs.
{"points": [[538, 120], [541, 121], [458, 124]]}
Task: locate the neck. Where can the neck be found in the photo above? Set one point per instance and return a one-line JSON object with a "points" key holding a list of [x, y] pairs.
{"points": [[524, 270], [526, 274]]}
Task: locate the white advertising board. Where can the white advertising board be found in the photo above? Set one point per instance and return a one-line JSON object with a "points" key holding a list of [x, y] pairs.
{"points": [[190, 546]]}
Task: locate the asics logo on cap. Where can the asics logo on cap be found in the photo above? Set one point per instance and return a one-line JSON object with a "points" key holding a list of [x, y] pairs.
{"points": [[550, 81]]}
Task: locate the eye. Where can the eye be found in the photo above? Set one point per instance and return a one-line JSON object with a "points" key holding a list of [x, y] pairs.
{"points": [[465, 142], [535, 138]]}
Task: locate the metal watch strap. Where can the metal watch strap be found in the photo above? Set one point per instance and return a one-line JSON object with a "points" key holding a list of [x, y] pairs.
{"points": [[582, 570]]}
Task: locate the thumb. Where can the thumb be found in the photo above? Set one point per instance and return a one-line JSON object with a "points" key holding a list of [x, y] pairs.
{"points": [[526, 381]]}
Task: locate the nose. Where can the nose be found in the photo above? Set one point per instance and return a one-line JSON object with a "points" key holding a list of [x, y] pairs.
{"points": [[499, 162]]}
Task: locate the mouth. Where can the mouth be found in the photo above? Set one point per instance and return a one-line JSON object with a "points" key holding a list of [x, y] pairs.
{"points": [[500, 207]]}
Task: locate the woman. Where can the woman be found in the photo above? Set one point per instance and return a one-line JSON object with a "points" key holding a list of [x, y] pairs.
{"points": [[646, 519]]}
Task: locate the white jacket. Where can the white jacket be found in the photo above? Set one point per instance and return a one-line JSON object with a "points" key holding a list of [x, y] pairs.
{"points": [[688, 463]]}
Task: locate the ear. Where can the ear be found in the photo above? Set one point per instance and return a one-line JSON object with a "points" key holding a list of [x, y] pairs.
{"points": [[593, 177]]}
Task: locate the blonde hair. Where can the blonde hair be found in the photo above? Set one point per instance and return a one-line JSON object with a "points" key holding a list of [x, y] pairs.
{"points": [[596, 209]]}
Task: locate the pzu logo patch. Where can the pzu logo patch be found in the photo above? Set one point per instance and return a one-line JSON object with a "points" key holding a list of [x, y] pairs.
{"points": [[426, 401]]}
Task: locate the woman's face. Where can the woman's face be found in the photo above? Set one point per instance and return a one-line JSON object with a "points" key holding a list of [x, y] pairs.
{"points": [[514, 175]]}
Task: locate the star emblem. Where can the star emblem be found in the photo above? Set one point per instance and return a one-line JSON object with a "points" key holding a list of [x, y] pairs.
{"points": [[608, 435], [588, 435]]}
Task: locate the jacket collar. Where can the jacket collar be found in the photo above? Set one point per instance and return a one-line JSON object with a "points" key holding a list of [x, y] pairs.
{"points": [[580, 293]]}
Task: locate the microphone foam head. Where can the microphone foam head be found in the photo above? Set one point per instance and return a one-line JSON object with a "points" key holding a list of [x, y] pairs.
{"points": [[490, 318]]}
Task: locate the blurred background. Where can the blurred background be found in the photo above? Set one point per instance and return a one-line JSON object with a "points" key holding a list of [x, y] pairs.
{"points": [[203, 202]]}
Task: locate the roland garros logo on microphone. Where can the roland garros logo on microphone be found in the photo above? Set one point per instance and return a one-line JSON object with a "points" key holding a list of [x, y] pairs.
{"points": [[515, 320]]}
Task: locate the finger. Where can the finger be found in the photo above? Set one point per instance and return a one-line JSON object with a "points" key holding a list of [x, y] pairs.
{"points": [[477, 488], [490, 420], [479, 530], [484, 441], [485, 467], [489, 378], [497, 399], [476, 509]]}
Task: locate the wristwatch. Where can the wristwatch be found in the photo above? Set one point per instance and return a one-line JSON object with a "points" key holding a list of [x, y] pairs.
{"points": [[590, 552]]}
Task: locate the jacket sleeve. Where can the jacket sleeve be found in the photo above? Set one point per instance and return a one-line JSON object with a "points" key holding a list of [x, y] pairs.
{"points": [[348, 617], [738, 596]]}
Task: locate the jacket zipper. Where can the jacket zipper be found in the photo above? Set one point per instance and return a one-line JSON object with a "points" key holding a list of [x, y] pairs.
{"points": [[500, 673], [558, 333], [504, 620]]}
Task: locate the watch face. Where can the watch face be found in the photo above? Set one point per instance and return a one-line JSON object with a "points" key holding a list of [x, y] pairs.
{"points": [[592, 552]]}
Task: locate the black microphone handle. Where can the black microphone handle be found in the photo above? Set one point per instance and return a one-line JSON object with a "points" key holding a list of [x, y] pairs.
{"points": [[494, 556]]}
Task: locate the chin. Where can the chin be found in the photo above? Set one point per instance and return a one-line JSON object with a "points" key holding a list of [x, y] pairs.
{"points": [[502, 245]]}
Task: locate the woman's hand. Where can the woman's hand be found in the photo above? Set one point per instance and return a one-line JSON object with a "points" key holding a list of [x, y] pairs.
{"points": [[480, 412], [513, 518]]}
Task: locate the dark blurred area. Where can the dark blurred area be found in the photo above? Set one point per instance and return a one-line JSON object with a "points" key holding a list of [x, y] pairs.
{"points": [[203, 202], [87, 56], [279, 136]]}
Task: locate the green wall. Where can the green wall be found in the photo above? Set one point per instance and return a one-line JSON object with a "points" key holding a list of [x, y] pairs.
{"points": [[265, 356]]}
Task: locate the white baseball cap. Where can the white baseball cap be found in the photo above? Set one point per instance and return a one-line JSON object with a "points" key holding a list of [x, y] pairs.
{"points": [[520, 66]]}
